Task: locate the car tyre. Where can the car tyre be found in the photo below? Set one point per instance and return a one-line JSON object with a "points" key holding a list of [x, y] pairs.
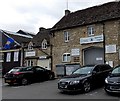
{"points": [[86, 86], [51, 76], [24, 81], [10, 84]]}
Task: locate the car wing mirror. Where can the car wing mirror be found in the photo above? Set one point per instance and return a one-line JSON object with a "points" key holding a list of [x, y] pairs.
{"points": [[109, 73], [94, 72]]}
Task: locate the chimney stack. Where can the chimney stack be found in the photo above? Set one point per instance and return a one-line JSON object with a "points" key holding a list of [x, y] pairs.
{"points": [[67, 12], [41, 29]]}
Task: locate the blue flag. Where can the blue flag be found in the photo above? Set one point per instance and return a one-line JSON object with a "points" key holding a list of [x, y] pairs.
{"points": [[8, 43]]}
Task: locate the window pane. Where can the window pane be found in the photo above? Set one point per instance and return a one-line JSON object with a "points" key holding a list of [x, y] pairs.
{"points": [[90, 30], [16, 55], [66, 57], [8, 58], [66, 36], [44, 44]]}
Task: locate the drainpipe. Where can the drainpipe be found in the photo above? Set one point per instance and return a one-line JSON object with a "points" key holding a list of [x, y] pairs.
{"points": [[51, 57], [104, 40], [22, 54]]}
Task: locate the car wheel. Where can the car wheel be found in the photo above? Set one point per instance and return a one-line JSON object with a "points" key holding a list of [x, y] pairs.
{"points": [[51, 76], [86, 87], [10, 84], [24, 81]]}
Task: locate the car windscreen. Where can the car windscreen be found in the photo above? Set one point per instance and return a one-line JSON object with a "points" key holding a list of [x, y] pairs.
{"points": [[14, 70], [116, 70], [84, 70]]}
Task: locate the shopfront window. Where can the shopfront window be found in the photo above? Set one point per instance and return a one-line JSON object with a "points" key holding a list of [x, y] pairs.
{"points": [[30, 63]]}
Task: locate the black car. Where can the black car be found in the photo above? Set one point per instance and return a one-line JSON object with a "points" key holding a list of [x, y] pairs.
{"points": [[112, 82], [26, 75], [84, 78]]}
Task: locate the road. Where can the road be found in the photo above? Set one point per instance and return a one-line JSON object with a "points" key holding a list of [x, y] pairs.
{"points": [[48, 90]]}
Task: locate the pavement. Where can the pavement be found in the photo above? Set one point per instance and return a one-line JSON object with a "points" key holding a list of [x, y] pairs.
{"points": [[0, 88]]}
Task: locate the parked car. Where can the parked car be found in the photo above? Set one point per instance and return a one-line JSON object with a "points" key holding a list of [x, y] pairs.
{"points": [[112, 82], [26, 75], [84, 78]]}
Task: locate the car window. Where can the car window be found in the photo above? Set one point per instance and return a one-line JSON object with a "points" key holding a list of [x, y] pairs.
{"points": [[14, 70], [39, 69], [104, 67], [116, 71], [97, 68], [28, 69], [83, 70]]}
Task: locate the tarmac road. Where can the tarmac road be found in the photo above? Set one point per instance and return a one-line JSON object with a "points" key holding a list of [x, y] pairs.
{"points": [[48, 90]]}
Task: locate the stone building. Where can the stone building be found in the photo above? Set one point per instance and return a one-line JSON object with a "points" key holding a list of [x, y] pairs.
{"points": [[89, 36], [39, 50]]}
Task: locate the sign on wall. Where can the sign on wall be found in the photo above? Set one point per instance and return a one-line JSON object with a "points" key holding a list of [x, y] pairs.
{"points": [[31, 53], [75, 52], [110, 48], [92, 39]]}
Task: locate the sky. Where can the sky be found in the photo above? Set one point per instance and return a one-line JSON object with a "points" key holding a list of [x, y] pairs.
{"points": [[30, 15]]}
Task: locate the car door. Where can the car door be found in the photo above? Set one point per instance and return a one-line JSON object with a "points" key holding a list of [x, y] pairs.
{"points": [[104, 69], [96, 75], [39, 73]]}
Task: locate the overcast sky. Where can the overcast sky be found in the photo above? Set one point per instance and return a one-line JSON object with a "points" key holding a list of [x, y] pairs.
{"points": [[29, 15]]}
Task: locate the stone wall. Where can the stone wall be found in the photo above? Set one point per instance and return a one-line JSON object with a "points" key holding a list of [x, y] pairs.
{"points": [[110, 29]]}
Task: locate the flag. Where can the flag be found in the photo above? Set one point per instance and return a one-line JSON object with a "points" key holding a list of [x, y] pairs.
{"points": [[8, 43]]}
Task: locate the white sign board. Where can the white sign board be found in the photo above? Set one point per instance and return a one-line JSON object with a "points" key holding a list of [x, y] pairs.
{"points": [[43, 57], [31, 53], [100, 58], [92, 39], [110, 49], [75, 52]]}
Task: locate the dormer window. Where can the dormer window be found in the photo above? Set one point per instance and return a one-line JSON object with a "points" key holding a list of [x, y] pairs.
{"points": [[90, 30], [44, 44], [30, 46]]}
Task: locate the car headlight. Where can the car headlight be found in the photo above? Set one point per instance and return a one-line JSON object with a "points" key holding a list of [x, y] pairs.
{"points": [[74, 82], [106, 80]]}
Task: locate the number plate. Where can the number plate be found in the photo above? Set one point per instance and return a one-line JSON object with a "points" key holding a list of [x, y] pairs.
{"points": [[8, 81]]}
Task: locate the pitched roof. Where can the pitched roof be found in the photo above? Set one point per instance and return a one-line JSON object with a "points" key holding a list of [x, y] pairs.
{"points": [[40, 36], [26, 33], [107, 11], [18, 39]]}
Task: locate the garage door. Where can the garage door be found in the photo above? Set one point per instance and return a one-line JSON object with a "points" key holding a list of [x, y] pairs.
{"points": [[44, 63], [93, 56]]}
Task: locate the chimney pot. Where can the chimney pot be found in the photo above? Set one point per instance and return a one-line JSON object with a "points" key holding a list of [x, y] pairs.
{"points": [[41, 29], [67, 12]]}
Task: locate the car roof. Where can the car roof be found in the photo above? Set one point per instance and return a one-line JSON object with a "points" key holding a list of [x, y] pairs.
{"points": [[19, 67], [117, 66], [88, 66], [96, 65]]}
